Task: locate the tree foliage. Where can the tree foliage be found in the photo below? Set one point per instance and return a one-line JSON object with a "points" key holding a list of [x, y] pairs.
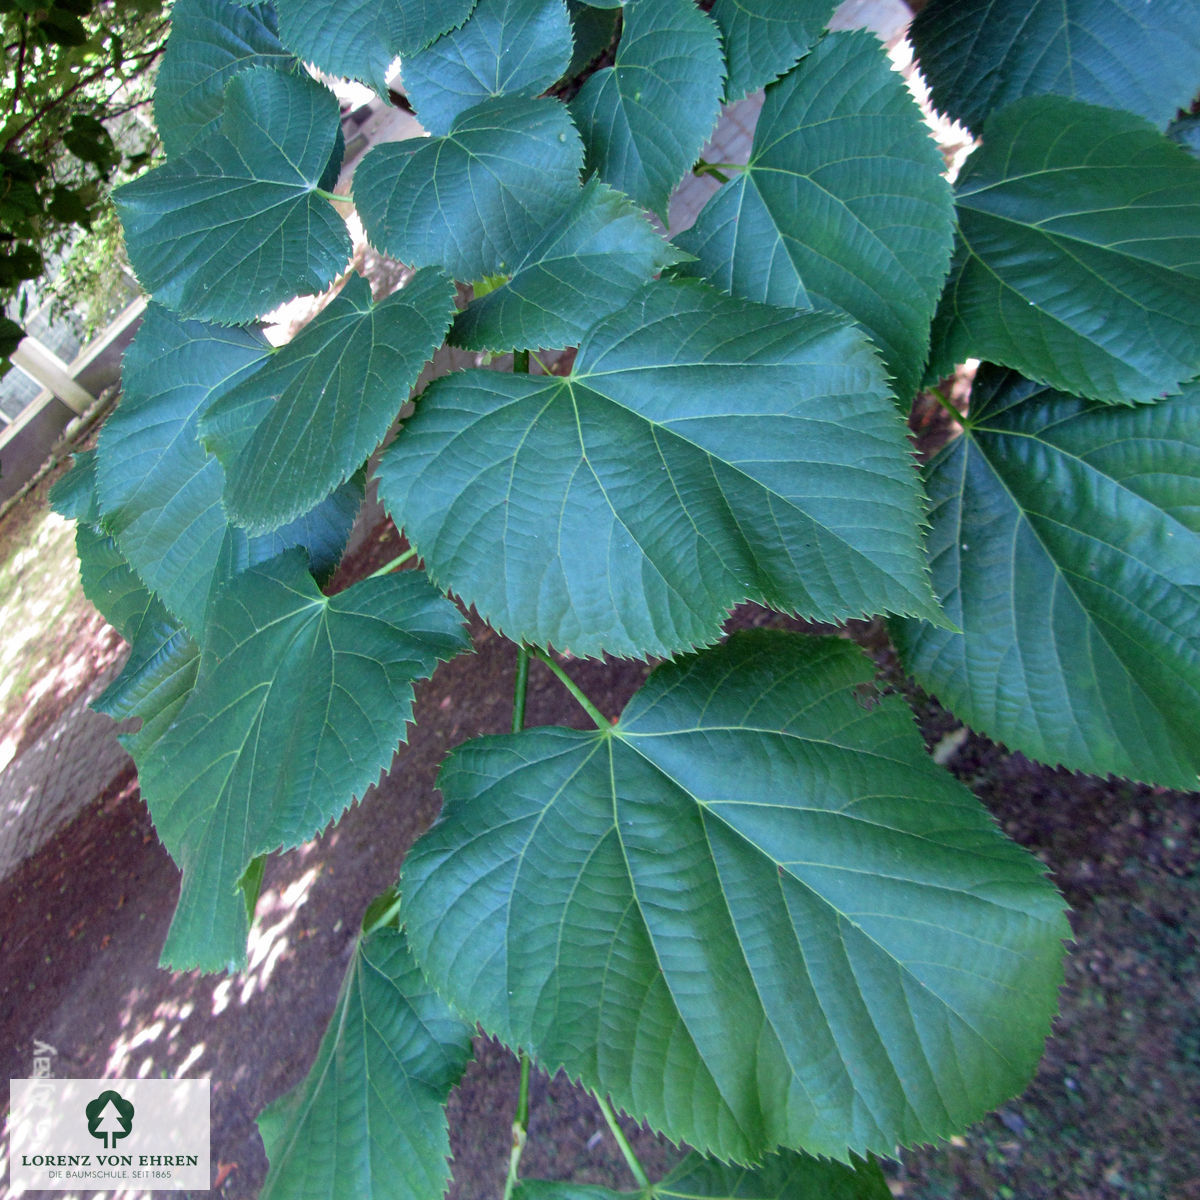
{"points": [[751, 911], [72, 70]]}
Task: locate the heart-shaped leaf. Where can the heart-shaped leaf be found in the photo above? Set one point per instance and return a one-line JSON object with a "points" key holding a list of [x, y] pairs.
{"points": [[753, 912], [159, 491], [842, 204], [1066, 548], [588, 264], [210, 42], [368, 1122], [646, 118], [233, 226], [1128, 54], [306, 419], [507, 48], [474, 201], [358, 39], [299, 703], [703, 451], [764, 39], [1079, 255]]}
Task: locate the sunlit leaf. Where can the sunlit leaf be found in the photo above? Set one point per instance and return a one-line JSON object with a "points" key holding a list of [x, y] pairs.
{"points": [[210, 42], [233, 226], [299, 704], [506, 48], [842, 204], [368, 1122], [307, 418], [646, 118], [702, 451], [754, 912], [588, 264], [474, 201]]}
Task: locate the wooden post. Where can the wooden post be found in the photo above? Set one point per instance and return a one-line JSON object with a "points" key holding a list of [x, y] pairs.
{"points": [[43, 366]]}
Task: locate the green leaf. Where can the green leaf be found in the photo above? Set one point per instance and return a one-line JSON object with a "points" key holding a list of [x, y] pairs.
{"points": [[307, 418], [1066, 546], [160, 672], [506, 48], [210, 42], [764, 39], [233, 227], [842, 204], [703, 451], [358, 39], [754, 913], [11, 336], [1079, 257], [369, 1119], [1127, 54], [646, 118], [589, 263], [74, 495], [784, 1176], [299, 704], [160, 492], [476, 200]]}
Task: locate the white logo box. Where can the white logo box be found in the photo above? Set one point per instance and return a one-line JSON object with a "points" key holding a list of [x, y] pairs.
{"points": [[67, 1135]]}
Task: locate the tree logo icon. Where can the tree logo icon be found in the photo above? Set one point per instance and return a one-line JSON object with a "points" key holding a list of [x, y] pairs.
{"points": [[109, 1117]]}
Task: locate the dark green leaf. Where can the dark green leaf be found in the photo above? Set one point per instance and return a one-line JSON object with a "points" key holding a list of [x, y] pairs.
{"points": [[1126, 54], [842, 204], [232, 227], [210, 42], [784, 1176], [161, 668], [69, 206], [1079, 260], [308, 417], [753, 912], [587, 264], [359, 39], [474, 201], [1066, 547], [368, 1122], [299, 704], [62, 28], [765, 38], [507, 48], [11, 336], [160, 492], [645, 119], [703, 451], [74, 495]]}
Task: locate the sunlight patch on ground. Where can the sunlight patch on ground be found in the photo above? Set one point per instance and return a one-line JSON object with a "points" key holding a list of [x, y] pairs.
{"points": [[42, 610]]}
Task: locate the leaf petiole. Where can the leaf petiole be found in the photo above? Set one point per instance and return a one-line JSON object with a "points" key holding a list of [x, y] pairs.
{"points": [[520, 1128], [399, 561], [598, 718], [639, 1172]]}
